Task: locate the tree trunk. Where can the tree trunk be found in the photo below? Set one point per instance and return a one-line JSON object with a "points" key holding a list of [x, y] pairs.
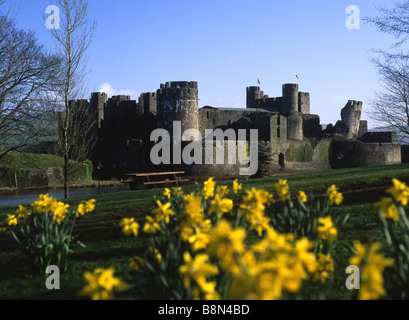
{"points": [[66, 164]]}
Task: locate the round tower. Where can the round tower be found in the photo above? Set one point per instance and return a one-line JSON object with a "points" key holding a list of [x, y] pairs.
{"points": [[178, 101], [290, 98], [253, 94]]}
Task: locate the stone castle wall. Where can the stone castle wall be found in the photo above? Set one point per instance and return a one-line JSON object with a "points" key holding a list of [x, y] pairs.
{"points": [[290, 137]]}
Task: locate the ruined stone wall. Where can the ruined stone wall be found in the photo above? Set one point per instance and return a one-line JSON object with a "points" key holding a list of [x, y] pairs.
{"points": [[295, 126], [278, 128], [390, 137], [349, 154], [363, 128], [311, 126], [405, 153], [293, 155], [350, 120]]}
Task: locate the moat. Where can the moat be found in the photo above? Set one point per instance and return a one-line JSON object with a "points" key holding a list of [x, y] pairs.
{"points": [[29, 196]]}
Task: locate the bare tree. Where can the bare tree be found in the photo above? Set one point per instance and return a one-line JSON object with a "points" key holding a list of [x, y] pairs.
{"points": [[391, 106], [26, 71], [75, 121], [393, 21]]}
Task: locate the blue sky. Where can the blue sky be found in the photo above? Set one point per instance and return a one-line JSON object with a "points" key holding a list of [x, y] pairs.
{"points": [[225, 45]]}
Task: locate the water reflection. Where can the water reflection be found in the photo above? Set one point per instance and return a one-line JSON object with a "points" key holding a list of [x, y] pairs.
{"points": [[29, 196]]}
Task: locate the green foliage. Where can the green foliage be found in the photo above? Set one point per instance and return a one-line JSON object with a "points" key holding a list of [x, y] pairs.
{"points": [[294, 216], [324, 153], [45, 242], [397, 238], [8, 176], [31, 160], [39, 170], [300, 154], [76, 171]]}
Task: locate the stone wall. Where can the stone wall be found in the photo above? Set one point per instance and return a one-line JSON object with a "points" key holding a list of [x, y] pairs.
{"points": [[311, 126], [347, 154], [383, 137]]}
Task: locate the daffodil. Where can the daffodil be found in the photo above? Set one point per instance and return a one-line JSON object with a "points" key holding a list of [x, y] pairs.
{"points": [[192, 215], [90, 205], [151, 226], [59, 212], [102, 284], [163, 211], [372, 264], [225, 243], [399, 191], [208, 189], [81, 210], [167, 193], [335, 196], [220, 206], [324, 269], [199, 240], [129, 226], [11, 220], [237, 186], [44, 204], [388, 208], [197, 269], [283, 190], [326, 229], [22, 212], [302, 196]]}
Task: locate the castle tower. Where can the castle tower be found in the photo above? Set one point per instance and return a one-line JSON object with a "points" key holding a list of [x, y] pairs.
{"points": [[253, 94], [290, 98], [147, 102], [349, 125], [304, 105], [178, 101], [98, 101]]}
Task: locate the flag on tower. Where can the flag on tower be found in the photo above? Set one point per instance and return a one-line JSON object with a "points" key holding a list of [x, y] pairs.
{"points": [[258, 80]]}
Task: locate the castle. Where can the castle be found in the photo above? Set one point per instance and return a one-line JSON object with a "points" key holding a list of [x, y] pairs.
{"points": [[289, 136]]}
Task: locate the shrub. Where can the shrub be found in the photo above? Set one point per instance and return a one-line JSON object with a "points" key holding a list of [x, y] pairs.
{"points": [[45, 232]]}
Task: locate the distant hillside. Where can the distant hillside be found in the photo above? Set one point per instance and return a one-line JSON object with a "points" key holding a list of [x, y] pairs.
{"points": [[35, 129]]}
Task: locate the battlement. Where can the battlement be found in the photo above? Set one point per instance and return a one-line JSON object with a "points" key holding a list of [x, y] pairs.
{"points": [[121, 98], [179, 84], [148, 95], [99, 94]]}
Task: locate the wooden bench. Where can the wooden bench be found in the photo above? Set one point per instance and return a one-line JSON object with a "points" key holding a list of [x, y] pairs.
{"points": [[155, 179]]}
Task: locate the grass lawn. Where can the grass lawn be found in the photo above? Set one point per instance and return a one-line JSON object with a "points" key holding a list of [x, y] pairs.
{"points": [[107, 246]]}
